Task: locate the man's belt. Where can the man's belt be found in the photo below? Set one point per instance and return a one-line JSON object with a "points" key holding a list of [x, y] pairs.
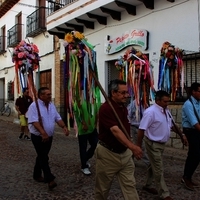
{"points": [[110, 148], [154, 141], [135, 126]]}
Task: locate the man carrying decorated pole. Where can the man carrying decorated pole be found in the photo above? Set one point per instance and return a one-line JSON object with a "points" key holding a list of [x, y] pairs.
{"points": [[26, 58], [41, 114], [115, 149], [87, 81], [135, 68], [83, 95]]}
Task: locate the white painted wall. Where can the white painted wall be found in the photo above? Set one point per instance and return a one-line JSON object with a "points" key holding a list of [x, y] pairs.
{"points": [[43, 41], [75, 9], [167, 22], [176, 22]]}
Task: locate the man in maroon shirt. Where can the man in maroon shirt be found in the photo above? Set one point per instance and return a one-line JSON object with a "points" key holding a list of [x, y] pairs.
{"points": [[114, 151], [21, 105]]}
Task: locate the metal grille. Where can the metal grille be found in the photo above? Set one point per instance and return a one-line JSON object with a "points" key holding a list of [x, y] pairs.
{"points": [[36, 22], [191, 68], [14, 35], [54, 5]]}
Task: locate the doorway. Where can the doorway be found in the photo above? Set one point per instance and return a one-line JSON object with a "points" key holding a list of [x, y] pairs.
{"points": [[2, 91]]}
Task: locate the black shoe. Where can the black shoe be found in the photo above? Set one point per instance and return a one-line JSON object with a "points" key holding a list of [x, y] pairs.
{"points": [[188, 183], [150, 190], [52, 185], [39, 179], [21, 135], [26, 137]]}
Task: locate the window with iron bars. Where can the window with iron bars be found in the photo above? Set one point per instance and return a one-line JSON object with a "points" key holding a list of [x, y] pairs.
{"points": [[11, 90], [54, 5], [191, 70]]}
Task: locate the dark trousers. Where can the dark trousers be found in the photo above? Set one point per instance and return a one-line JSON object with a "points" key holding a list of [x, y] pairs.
{"points": [[193, 157], [42, 159], [83, 140]]}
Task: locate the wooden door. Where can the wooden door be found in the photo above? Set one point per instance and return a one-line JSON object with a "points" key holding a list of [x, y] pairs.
{"points": [[45, 79]]}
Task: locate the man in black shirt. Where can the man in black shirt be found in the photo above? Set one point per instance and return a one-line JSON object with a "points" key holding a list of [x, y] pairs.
{"points": [[115, 149], [21, 105]]}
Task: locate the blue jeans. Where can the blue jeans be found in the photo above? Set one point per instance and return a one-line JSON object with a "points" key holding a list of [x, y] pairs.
{"points": [[83, 140], [42, 159]]}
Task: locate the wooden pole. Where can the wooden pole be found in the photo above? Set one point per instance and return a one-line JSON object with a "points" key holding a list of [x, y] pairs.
{"points": [[35, 97]]}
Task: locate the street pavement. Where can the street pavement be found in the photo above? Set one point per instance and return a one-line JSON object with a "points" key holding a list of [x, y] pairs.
{"points": [[17, 159]]}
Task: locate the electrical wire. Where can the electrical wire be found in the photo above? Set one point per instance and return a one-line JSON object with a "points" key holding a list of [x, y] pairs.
{"points": [[28, 5]]}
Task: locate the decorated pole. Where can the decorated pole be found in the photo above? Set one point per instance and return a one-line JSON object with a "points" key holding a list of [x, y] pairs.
{"points": [[171, 71], [26, 58], [134, 68], [81, 79], [82, 94]]}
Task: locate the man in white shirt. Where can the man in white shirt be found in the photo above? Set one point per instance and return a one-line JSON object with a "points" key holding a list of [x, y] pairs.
{"points": [[41, 126], [155, 127]]}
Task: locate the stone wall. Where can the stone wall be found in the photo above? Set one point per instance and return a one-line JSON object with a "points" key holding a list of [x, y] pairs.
{"points": [[176, 111]]}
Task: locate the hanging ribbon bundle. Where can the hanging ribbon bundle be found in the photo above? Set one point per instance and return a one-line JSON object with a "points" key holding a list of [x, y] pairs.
{"points": [[82, 93], [171, 72], [26, 59], [136, 70]]}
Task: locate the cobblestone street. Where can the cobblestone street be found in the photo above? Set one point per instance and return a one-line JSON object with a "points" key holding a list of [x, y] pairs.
{"points": [[17, 159]]}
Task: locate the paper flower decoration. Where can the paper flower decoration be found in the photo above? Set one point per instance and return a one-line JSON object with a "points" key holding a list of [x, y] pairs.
{"points": [[131, 55], [170, 77], [120, 63], [26, 58], [26, 54], [74, 37], [69, 38], [170, 53], [134, 68], [82, 92]]}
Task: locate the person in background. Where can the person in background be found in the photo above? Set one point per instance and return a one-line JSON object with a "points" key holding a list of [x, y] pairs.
{"points": [[191, 128], [87, 133], [155, 127], [41, 126], [21, 105], [114, 150], [135, 114]]}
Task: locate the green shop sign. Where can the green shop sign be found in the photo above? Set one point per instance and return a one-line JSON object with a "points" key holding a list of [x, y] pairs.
{"points": [[136, 37]]}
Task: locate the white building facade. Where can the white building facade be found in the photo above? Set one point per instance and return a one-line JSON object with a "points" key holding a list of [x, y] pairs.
{"points": [[24, 20], [175, 21]]}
